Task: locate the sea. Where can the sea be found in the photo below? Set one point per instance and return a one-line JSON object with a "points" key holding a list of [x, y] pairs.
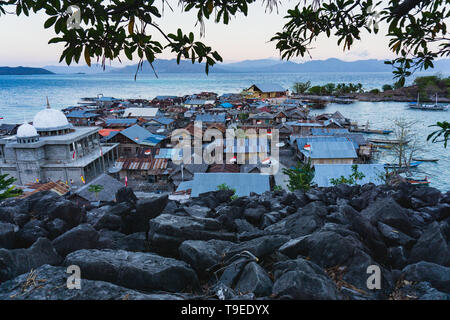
{"points": [[21, 97]]}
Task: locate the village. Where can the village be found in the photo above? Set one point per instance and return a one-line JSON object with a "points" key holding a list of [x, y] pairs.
{"points": [[111, 143]]}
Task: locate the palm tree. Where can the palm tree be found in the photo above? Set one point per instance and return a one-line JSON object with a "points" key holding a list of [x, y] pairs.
{"points": [[95, 188], [445, 130], [7, 189]]}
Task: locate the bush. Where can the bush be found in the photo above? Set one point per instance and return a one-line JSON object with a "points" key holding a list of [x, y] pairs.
{"points": [[375, 91], [387, 87]]}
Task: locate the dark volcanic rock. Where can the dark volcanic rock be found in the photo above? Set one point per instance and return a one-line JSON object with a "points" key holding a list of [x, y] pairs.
{"points": [[167, 232], [137, 221], [32, 231], [428, 196], [82, 237], [431, 247], [7, 214], [51, 284], [254, 279], [126, 195], [141, 271], [254, 215], [202, 255], [397, 257], [260, 247], [56, 227], [67, 211], [7, 235], [108, 221], [303, 280], [422, 291], [19, 261], [438, 276], [394, 237]]}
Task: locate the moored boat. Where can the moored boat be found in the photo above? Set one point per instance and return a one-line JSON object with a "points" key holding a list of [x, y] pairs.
{"points": [[425, 160], [386, 141], [419, 182], [396, 166]]}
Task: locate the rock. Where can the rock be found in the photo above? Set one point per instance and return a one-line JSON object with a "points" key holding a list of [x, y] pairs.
{"points": [[222, 292], [438, 276], [254, 279], [227, 216], [260, 247], [108, 221], [82, 237], [431, 247], [56, 227], [7, 214], [145, 210], [389, 212], [126, 195], [422, 291], [120, 209], [223, 195], [270, 218], [42, 203], [394, 237], [397, 257], [19, 261], [254, 215], [140, 271], [233, 271], [51, 284], [303, 280], [7, 235], [136, 242], [428, 196], [202, 255], [21, 219], [28, 235], [198, 211], [167, 232], [68, 211]]}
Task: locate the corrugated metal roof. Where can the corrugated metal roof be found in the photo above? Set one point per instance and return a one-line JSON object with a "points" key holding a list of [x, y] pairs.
{"points": [[243, 183], [325, 172], [141, 112], [110, 187], [327, 147], [216, 118], [153, 166], [327, 131], [269, 87], [81, 114], [136, 133], [120, 121]]}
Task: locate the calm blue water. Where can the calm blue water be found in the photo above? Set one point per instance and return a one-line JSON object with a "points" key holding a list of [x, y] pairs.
{"points": [[22, 96]]}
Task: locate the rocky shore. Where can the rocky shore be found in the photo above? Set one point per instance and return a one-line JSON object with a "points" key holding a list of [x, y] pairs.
{"points": [[302, 245]]}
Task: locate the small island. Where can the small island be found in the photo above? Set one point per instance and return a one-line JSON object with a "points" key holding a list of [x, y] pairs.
{"points": [[23, 71]]}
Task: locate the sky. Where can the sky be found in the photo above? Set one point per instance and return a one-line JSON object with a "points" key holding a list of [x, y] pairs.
{"points": [[24, 39]]}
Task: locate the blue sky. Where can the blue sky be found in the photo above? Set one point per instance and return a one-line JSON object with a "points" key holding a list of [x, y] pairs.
{"points": [[24, 40]]}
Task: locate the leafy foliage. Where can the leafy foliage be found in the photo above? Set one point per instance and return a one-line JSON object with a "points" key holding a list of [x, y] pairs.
{"points": [[350, 180], [224, 186], [95, 188], [444, 131], [301, 87], [300, 177], [336, 89], [7, 189], [387, 87]]}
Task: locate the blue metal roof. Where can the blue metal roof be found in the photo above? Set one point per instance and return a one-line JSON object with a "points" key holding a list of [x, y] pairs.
{"points": [[327, 147], [325, 172], [243, 183], [185, 185], [163, 120], [195, 102], [226, 105], [327, 132], [137, 134], [81, 114], [153, 139], [304, 124], [121, 121], [165, 97], [269, 87], [216, 118]]}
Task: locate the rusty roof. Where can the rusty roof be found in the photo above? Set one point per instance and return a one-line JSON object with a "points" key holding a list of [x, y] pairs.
{"points": [[59, 187]]}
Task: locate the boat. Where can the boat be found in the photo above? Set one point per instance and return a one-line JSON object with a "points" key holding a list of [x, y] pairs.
{"points": [[365, 129], [419, 182], [429, 107], [384, 146], [425, 160], [396, 166], [386, 141]]}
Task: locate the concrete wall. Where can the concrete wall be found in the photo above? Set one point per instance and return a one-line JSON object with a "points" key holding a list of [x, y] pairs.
{"points": [[57, 152]]}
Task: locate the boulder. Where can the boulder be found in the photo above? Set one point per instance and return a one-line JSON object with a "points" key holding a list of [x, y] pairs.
{"points": [[167, 232], [41, 204], [303, 280], [397, 257], [301, 223], [137, 221], [56, 227], [198, 211], [19, 261], [126, 195], [254, 215], [260, 247], [254, 279], [394, 237], [108, 221], [421, 291], [140, 271], [7, 235], [202, 255], [431, 247], [7, 214], [51, 284], [438, 276], [32, 231], [82, 237], [68, 211], [428, 196]]}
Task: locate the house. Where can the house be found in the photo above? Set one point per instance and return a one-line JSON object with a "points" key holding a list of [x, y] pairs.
{"points": [[231, 168], [120, 123], [143, 169], [186, 172], [144, 113], [198, 103], [303, 127], [326, 150], [82, 118], [325, 172], [243, 183], [166, 123], [132, 138], [206, 118], [266, 90], [107, 194]]}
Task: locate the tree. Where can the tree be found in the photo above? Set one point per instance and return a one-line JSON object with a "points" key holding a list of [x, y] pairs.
{"points": [[444, 130], [416, 28], [300, 177], [387, 87], [7, 189], [301, 87], [351, 180], [408, 142], [95, 188]]}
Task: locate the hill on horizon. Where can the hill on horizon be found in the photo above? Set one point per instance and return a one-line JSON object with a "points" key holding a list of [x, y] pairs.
{"points": [[23, 71]]}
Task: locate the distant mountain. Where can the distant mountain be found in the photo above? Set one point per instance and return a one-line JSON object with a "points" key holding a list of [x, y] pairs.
{"points": [[170, 66], [242, 66], [93, 69], [23, 71]]}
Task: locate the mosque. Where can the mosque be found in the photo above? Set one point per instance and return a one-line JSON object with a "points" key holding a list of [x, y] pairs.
{"points": [[51, 149]]}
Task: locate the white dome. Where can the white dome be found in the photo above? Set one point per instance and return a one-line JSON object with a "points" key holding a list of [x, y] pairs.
{"points": [[50, 119], [26, 130]]}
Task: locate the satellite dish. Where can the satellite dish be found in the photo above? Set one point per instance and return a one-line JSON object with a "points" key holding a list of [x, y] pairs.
{"points": [[280, 144], [160, 130]]}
